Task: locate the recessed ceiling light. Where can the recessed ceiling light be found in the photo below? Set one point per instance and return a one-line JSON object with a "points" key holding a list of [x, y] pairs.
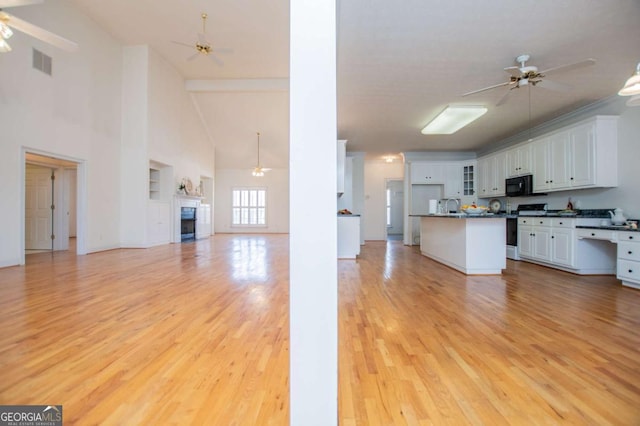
{"points": [[452, 119]]}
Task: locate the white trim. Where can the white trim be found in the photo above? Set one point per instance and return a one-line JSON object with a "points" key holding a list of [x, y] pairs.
{"points": [[81, 201]]}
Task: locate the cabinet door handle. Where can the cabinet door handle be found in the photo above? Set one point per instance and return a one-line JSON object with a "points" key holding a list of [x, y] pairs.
{"points": [[560, 223], [552, 237], [629, 252], [631, 237], [593, 234], [631, 271], [541, 222], [571, 178]]}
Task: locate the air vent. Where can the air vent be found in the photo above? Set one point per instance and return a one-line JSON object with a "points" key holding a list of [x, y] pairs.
{"points": [[42, 62]]}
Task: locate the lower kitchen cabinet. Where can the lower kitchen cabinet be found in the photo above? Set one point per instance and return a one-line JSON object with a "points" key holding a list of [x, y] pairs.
{"points": [[628, 265], [547, 240], [562, 247]]}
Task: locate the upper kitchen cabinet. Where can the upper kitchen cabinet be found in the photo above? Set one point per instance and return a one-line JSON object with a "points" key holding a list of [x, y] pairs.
{"points": [[427, 173], [519, 160], [580, 156], [453, 181], [492, 175], [340, 164]]}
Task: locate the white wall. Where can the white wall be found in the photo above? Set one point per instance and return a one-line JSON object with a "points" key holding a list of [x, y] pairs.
{"points": [[276, 182], [177, 136], [376, 173], [161, 124], [73, 114], [79, 115]]}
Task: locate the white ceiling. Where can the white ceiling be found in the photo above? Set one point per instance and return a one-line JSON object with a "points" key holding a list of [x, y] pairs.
{"points": [[399, 64]]}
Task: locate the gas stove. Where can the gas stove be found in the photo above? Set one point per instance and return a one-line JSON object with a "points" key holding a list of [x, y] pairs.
{"points": [[532, 209]]}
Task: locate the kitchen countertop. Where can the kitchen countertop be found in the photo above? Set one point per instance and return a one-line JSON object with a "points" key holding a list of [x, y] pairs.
{"points": [[610, 228], [463, 216]]}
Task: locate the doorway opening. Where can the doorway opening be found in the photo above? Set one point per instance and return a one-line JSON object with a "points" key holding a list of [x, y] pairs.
{"points": [[51, 200], [394, 209]]}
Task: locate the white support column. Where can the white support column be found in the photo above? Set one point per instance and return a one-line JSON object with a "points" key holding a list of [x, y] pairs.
{"points": [[313, 209]]}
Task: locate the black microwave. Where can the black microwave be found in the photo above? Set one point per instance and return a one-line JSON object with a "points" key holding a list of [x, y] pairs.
{"points": [[520, 186]]}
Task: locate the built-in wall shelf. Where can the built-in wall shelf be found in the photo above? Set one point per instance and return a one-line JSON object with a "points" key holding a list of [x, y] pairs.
{"points": [[154, 184]]}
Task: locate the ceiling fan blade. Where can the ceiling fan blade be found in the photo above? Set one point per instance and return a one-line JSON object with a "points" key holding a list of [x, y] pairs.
{"points": [[192, 57], [183, 44], [486, 88], [40, 34], [514, 71], [222, 50], [215, 59], [503, 99], [16, 3], [553, 85], [569, 67]]}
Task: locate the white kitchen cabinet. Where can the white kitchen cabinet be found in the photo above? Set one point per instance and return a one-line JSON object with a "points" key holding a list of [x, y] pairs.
{"points": [[491, 175], [427, 173], [562, 246], [628, 259], [580, 156], [453, 181], [519, 160], [547, 240], [541, 166], [348, 236], [525, 240]]}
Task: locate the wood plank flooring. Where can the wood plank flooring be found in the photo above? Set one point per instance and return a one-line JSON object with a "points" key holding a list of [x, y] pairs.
{"points": [[197, 333]]}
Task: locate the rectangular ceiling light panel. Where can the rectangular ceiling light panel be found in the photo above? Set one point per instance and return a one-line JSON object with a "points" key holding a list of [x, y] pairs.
{"points": [[452, 119]]}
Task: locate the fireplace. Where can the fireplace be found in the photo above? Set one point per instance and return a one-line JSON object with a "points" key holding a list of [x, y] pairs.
{"points": [[187, 223]]}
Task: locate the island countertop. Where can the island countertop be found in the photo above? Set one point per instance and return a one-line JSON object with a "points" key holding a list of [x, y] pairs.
{"points": [[465, 216]]}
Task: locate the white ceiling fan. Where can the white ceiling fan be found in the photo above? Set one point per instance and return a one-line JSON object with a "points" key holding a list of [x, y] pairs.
{"points": [[524, 74], [258, 170], [8, 21], [204, 47]]}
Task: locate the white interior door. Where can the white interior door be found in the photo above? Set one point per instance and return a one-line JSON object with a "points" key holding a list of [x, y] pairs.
{"points": [[38, 201], [396, 204]]}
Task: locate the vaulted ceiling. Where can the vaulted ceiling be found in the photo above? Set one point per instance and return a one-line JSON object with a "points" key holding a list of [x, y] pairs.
{"points": [[399, 64]]}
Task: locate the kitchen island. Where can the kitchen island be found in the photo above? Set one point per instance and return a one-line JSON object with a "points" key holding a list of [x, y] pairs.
{"points": [[474, 245]]}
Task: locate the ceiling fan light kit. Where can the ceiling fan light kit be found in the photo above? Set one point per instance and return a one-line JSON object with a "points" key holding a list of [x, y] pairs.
{"points": [[632, 86], [203, 46], [16, 23], [258, 170], [453, 118], [5, 34]]}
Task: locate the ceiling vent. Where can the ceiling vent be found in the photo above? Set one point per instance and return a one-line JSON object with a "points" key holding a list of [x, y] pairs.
{"points": [[42, 62]]}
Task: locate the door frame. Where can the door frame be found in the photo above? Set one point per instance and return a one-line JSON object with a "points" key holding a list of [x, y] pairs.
{"points": [[386, 186], [81, 199]]}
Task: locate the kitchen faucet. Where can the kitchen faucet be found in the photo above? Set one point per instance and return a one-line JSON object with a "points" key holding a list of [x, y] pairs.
{"points": [[446, 205]]}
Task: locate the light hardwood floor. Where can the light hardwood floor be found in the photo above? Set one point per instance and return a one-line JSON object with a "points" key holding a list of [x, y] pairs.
{"points": [[197, 333]]}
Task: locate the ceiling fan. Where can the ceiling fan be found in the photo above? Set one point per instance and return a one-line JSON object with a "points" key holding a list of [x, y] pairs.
{"points": [[204, 47], [524, 74], [8, 21], [258, 170]]}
